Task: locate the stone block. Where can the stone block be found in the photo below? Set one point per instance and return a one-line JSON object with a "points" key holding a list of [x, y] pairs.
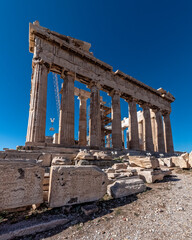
{"points": [[76, 184], [85, 155], [150, 176], [21, 184], [185, 156], [46, 159], [110, 170], [117, 166], [2, 155], [168, 162], [180, 162], [61, 161], [21, 155], [122, 188], [144, 162], [190, 159]]}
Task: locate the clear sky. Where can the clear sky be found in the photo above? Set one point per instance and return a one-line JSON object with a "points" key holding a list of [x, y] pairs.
{"points": [[149, 40]]}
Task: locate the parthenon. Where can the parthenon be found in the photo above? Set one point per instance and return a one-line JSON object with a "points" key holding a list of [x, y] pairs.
{"points": [[72, 60]]}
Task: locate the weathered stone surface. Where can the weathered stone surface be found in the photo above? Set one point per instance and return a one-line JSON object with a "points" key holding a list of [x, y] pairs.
{"points": [[61, 161], [166, 162], [102, 155], [190, 159], [22, 155], [26, 229], [122, 188], [180, 162], [144, 162], [117, 166], [71, 185], [21, 184], [46, 158], [150, 176], [185, 156], [110, 170], [89, 209], [84, 155], [2, 155]]}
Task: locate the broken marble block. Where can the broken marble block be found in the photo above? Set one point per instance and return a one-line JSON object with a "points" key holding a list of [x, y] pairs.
{"points": [[76, 184], [117, 166], [21, 184], [165, 162], [144, 162], [150, 175], [180, 162], [126, 187]]}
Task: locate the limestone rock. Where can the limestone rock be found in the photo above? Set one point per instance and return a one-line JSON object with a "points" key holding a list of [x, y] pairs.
{"points": [[82, 162], [144, 162], [89, 209], [110, 170], [120, 166], [150, 176], [84, 155], [180, 162], [122, 188], [185, 156], [46, 158], [61, 161], [166, 162], [21, 184], [102, 155], [76, 184], [190, 159]]}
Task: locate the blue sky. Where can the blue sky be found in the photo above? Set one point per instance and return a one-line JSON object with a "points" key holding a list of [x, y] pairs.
{"points": [[149, 40]]}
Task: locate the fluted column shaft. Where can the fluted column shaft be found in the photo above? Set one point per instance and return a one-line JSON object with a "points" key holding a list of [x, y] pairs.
{"points": [[133, 126], [116, 120], [140, 129], [159, 132], [168, 133], [154, 129], [66, 121], [108, 141], [147, 130], [38, 103], [95, 116], [82, 121]]}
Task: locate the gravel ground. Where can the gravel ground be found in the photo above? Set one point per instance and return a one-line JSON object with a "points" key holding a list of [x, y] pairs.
{"points": [[164, 211]]}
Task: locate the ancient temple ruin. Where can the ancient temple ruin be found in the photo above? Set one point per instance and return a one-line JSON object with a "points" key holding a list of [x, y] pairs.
{"points": [[72, 60]]}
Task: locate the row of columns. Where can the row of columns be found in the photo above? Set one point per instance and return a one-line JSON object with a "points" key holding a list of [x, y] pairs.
{"points": [[153, 140]]}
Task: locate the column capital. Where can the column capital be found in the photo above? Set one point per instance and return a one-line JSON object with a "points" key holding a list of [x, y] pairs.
{"points": [[114, 92], [94, 84], [144, 105], [82, 97], [68, 75], [40, 62], [166, 113]]}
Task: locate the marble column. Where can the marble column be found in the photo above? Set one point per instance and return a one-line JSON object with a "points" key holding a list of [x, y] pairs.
{"points": [[154, 131], [127, 138], [38, 103], [66, 121], [95, 116], [133, 126], [147, 130], [82, 121], [168, 133], [140, 129], [108, 141], [116, 120], [159, 139]]}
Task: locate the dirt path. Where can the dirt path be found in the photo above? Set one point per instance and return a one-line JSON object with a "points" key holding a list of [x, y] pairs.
{"points": [[163, 212]]}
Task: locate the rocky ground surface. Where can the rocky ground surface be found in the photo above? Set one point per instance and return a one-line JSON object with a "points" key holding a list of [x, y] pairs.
{"points": [[164, 211]]}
